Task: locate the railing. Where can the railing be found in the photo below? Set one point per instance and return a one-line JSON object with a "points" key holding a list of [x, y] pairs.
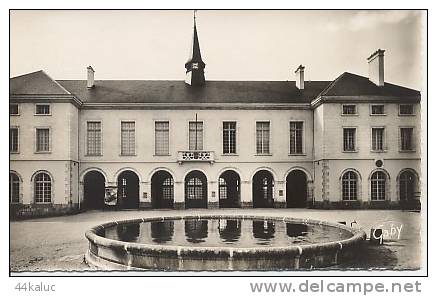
{"points": [[193, 156]]}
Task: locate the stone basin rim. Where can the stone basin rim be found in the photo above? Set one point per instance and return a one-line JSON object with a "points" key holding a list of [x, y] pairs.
{"points": [[357, 235]]}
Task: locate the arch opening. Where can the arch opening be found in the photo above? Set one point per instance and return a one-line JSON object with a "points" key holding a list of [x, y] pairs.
{"points": [[128, 190], [296, 189], [229, 190], [262, 189], [94, 190], [196, 190], [162, 190]]}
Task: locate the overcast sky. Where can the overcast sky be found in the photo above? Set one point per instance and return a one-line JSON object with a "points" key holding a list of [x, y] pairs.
{"points": [[235, 45]]}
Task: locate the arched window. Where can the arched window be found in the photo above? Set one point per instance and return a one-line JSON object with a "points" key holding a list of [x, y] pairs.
{"points": [[378, 184], [14, 188], [195, 188], [349, 186], [43, 188], [223, 189]]}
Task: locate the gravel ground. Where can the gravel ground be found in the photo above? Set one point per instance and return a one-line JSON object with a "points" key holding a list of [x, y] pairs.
{"points": [[59, 244]]}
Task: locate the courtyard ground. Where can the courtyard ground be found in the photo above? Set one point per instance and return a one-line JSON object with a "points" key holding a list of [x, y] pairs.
{"points": [[59, 244]]}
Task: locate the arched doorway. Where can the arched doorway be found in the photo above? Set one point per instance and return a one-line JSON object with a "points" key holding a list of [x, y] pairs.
{"points": [[407, 186], [128, 190], [196, 190], [262, 189], [409, 190], [229, 190], [162, 190], [94, 190], [296, 189]]}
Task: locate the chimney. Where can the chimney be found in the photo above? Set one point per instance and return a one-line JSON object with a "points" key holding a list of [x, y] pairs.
{"points": [[376, 67], [300, 78], [90, 77]]}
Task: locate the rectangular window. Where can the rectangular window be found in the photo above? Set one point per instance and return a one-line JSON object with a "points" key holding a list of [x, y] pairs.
{"points": [[296, 137], [406, 109], [349, 139], [195, 135], [13, 109], [377, 109], [162, 138], [127, 138], [94, 138], [406, 139], [262, 137], [229, 137], [42, 140], [378, 139], [42, 109], [13, 139], [349, 109]]}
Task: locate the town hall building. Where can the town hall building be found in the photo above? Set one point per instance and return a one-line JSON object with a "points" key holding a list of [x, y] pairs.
{"points": [[353, 142]]}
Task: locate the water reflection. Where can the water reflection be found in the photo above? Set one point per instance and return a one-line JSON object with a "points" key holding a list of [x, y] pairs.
{"points": [[128, 232], [263, 230], [196, 230], [295, 230], [162, 231], [229, 230]]}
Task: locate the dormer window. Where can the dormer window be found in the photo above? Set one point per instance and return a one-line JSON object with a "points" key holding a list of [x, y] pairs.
{"points": [[195, 66]]}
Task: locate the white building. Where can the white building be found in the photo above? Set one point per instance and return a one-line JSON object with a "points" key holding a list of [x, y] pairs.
{"points": [[349, 143]]}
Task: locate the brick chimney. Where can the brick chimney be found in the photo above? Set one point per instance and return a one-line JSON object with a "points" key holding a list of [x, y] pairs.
{"points": [[300, 77], [376, 67], [90, 77]]}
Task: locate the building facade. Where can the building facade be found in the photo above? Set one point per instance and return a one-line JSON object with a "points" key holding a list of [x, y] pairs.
{"points": [[83, 144]]}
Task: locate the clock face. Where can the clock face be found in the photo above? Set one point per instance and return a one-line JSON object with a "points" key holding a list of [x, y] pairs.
{"points": [[195, 66]]}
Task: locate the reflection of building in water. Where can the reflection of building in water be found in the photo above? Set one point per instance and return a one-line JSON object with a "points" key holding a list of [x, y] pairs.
{"points": [[128, 232], [196, 230], [229, 230], [263, 229], [295, 230], [162, 231], [351, 142]]}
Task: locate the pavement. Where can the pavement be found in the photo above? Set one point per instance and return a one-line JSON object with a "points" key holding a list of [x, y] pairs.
{"points": [[59, 243]]}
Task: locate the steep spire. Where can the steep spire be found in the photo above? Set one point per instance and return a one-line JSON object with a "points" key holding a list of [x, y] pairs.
{"points": [[195, 66]]}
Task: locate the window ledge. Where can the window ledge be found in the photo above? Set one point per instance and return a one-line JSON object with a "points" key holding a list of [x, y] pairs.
{"points": [[296, 154], [407, 151], [407, 115], [43, 152], [378, 151], [127, 155], [42, 114], [91, 155], [229, 154], [14, 114], [356, 114], [263, 154], [350, 151], [378, 114], [14, 152], [158, 155]]}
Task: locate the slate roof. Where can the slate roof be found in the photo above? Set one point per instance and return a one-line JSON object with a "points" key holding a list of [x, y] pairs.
{"points": [[35, 83], [165, 91], [172, 91], [348, 84]]}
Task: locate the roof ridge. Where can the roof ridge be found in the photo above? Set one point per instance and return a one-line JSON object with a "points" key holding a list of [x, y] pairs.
{"points": [[27, 74], [330, 85]]}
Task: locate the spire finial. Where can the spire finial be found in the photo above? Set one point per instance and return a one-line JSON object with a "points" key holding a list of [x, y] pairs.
{"points": [[194, 15]]}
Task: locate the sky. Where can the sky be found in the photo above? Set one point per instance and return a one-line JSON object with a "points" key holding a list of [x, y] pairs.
{"points": [[235, 45]]}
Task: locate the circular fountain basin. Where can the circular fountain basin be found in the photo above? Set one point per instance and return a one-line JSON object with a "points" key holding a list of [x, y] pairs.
{"points": [[220, 242]]}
